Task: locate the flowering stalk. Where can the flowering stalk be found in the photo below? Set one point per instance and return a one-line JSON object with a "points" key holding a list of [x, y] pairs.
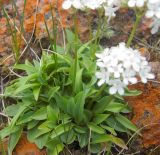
{"points": [[138, 19], [75, 47]]}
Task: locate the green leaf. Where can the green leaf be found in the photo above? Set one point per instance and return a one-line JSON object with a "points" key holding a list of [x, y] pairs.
{"points": [[80, 129], [78, 81], [25, 118], [68, 137], [14, 138], [96, 128], [126, 123], [112, 122], [7, 131], [115, 107], [52, 113], [41, 141], [20, 110], [79, 106], [40, 114], [100, 106], [26, 86], [36, 91], [51, 92], [11, 110], [111, 130], [32, 124], [132, 92], [56, 149], [109, 138], [60, 129], [96, 148], [99, 118], [83, 139]]}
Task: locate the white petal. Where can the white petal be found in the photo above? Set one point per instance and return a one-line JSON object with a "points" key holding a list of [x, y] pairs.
{"points": [[66, 4], [133, 80], [112, 90], [140, 3], [131, 3], [149, 14], [144, 80], [100, 64], [151, 76], [101, 82], [116, 74], [121, 91]]}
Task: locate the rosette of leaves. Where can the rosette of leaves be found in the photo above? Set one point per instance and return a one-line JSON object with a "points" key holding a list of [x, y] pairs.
{"points": [[58, 103]]}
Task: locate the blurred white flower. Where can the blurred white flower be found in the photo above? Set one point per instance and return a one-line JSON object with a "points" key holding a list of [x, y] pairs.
{"points": [[120, 66], [136, 3], [116, 86], [153, 10], [75, 3], [155, 25]]}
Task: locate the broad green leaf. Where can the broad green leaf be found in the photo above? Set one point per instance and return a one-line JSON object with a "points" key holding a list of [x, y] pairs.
{"points": [[82, 139], [111, 130], [115, 107], [52, 113], [95, 148], [132, 92], [32, 124], [25, 118], [112, 122], [109, 138], [60, 129], [55, 150], [96, 128], [100, 106], [99, 118], [14, 138], [51, 92], [26, 86], [34, 133], [47, 126], [80, 129], [20, 110], [36, 91], [79, 106], [78, 81], [7, 131], [11, 110], [40, 114], [68, 137], [41, 141], [126, 123]]}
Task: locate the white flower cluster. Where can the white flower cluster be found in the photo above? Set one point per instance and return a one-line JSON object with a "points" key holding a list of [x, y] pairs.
{"points": [[110, 6], [153, 11], [120, 66]]}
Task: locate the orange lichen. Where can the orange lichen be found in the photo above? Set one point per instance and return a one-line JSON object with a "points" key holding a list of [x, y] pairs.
{"points": [[24, 147], [146, 112]]}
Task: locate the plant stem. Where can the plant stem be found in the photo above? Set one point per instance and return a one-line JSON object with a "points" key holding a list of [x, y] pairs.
{"points": [[75, 48], [138, 18]]}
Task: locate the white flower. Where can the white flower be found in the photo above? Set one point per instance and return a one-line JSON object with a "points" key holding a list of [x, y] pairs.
{"points": [[120, 66], [75, 3], [153, 10], [155, 25], [103, 75], [110, 11], [145, 74], [116, 86], [134, 3], [93, 4]]}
